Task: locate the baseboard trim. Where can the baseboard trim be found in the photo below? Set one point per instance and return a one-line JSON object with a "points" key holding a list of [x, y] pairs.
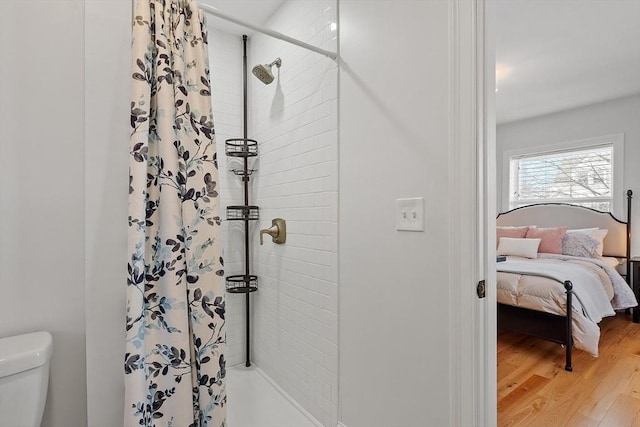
{"points": [[288, 397]]}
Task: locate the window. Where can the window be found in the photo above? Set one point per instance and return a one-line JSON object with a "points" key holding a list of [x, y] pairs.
{"points": [[582, 173]]}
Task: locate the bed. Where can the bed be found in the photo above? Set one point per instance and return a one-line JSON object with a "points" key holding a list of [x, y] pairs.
{"points": [[560, 293]]}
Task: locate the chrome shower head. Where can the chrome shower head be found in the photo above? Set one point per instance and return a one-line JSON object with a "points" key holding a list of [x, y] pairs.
{"points": [[263, 71]]}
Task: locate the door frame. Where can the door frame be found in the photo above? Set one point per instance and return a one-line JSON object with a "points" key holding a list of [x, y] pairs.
{"points": [[473, 154]]}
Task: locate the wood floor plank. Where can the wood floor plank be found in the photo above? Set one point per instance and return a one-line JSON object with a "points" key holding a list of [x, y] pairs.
{"points": [[512, 380], [535, 390], [561, 400], [552, 414], [523, 403], [525, 413], [601, 397], [507, 368], [527, 388], [631, 341], [623, 412], [579, 420], [631, 385]]}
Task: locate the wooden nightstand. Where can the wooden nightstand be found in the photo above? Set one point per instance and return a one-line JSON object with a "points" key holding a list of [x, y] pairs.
{"points": [[635, 285]]}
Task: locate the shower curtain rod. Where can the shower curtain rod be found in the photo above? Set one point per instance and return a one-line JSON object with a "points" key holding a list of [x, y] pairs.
{"points": [[216, 12]]}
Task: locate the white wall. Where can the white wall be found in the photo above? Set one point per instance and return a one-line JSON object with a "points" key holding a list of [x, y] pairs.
{"points": [[107, 93], [606, 118], [295, 311], [394, 143], [42, 190]]}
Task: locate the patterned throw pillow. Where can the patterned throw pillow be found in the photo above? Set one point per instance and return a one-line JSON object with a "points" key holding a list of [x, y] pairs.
{"points": [[579, 244], [596, 233]]}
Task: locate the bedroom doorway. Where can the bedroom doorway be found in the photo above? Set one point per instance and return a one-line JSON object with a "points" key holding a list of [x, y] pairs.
{"points": [[536, 110]]}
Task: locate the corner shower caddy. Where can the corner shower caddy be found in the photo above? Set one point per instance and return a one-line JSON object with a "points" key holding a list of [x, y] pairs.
{"points": [[243, 148]]}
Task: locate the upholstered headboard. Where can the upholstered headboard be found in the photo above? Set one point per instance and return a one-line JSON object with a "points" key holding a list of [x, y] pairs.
{"points": [[560, 214]]}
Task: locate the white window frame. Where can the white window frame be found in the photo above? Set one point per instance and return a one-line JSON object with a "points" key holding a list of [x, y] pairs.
{"points": [[616, 140]]}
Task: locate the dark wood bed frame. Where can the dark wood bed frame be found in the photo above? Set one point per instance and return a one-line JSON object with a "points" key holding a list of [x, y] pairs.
{"points": [[553, 327]]}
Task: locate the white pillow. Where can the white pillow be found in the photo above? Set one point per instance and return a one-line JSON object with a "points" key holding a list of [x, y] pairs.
{"points": [[599, 235], [583, 230], [526, 248], [613, 262]]}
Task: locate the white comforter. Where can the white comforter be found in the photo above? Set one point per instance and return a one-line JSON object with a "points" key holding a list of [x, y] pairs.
{"points": [[537, 284]]}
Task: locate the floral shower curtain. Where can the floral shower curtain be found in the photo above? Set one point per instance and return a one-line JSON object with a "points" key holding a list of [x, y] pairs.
{"points": [[175, 322]]}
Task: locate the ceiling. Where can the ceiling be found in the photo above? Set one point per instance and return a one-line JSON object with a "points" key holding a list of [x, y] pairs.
{"points": [[553, 55], [254, 11]]}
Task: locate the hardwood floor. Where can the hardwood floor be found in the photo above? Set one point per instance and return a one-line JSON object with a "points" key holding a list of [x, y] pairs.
{"points": [[535, 390]]}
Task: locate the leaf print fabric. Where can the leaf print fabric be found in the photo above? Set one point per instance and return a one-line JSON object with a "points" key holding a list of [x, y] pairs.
{"points": [[175, 323]]}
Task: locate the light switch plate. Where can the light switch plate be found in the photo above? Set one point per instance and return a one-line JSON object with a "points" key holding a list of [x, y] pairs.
{"points": [[410, 214]]}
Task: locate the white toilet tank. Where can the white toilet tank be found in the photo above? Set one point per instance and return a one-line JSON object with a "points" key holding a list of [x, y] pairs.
{"points": [[24, 376]]}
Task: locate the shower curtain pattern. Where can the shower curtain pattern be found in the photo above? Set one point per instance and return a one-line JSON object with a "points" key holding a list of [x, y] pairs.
{"points": [[175, 321]]}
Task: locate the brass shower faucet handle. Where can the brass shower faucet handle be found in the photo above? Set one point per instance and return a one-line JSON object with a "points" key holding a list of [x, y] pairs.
{"points": [[277, 231]]}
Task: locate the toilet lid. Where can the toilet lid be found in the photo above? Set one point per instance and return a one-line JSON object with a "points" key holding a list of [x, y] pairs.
{"points": [[23, 352]]}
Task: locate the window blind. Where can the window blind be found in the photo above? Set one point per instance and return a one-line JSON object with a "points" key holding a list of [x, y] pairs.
{"points": [[582, 176]]}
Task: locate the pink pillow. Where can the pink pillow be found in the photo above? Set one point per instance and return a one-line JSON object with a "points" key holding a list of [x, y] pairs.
{"points": [[550, 238], [511, 232]]}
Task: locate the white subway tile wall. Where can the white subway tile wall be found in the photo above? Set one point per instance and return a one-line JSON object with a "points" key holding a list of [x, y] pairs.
{"points": [[294, 119]]}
